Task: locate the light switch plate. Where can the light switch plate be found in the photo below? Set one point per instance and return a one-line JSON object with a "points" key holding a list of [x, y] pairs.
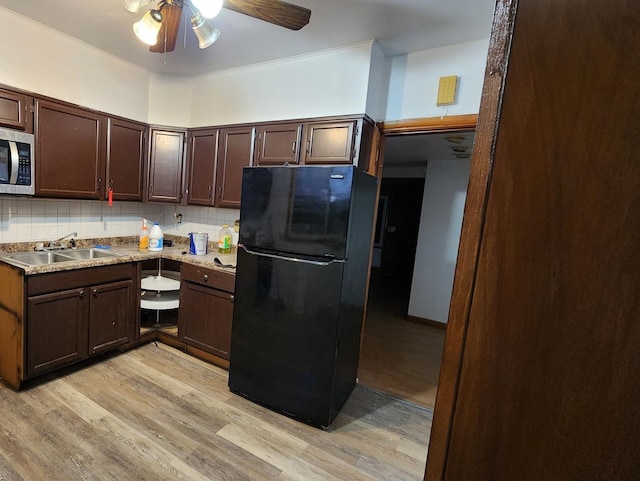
{"points": [[447, 90]]}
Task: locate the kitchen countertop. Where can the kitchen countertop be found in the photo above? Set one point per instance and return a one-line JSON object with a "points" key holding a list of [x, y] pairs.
{"points": [[128, 252]]}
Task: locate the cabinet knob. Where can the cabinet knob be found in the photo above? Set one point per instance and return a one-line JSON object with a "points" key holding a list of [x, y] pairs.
{"points": [[232, 298], [95, 293], [81, 294], [205, 277], [113, 323]]}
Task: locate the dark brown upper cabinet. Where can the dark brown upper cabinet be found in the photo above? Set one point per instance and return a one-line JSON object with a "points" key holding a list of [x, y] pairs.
{"points": [[278, 144], [166, 166], [16, 110], [70, 151], [202, 165], [329, 142], [126, 152], [235, 151]]}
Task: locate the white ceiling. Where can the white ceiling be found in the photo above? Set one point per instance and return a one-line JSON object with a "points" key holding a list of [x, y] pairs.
{"points": [[400, 26]]}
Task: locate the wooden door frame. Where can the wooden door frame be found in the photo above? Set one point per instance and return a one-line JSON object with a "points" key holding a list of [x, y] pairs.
{"points": [[470, 238], [427, 125], [465, 267]]}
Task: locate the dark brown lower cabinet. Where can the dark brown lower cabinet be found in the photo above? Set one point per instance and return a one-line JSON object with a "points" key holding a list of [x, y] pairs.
{"points": [[56, 330], [110, 315], [74, 314], [206, 309]]}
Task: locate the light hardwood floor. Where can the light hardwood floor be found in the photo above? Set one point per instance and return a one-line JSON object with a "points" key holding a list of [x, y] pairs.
{"points": [[399, 357], [155, 413]]}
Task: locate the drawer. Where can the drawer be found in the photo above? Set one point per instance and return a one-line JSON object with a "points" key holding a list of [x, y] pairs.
{"points": [[63, 280], [217, 279]]}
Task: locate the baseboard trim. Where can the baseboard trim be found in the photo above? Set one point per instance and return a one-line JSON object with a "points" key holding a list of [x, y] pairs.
{"points": [[427, 322]]}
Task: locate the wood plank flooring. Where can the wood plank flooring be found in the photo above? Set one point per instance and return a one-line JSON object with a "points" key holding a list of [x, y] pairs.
{"points": [[399, 357], [155, 413]]}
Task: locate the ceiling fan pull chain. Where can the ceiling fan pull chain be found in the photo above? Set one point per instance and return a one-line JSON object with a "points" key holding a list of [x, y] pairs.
{"points": [[164, 50], [184, 45]]}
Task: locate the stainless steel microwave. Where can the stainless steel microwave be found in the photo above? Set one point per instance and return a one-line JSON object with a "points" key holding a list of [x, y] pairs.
{"points": [[17, 169]]}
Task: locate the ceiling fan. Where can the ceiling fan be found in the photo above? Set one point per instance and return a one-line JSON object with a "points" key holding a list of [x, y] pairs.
{"points": [[159, 26]]}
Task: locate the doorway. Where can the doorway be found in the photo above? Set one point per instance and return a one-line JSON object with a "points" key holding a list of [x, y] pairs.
{"points": [[402, 347]]}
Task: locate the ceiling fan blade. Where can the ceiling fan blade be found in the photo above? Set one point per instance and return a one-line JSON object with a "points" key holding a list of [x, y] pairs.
{"points": [[273, 11], [171, 13]]}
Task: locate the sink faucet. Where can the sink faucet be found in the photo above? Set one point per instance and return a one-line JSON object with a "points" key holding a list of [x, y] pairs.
{"points": [[58, 242]]}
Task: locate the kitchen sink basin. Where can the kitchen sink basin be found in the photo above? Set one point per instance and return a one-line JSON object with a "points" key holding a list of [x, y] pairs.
{"points": [[35, 258], [50, 257], [82, 254]]}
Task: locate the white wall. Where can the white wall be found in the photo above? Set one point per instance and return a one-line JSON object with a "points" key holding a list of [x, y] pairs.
{"points": [[38, 59], [378, 88], [332, 82], [445, 192], [170, 100], [351, 80], [413, 85]]}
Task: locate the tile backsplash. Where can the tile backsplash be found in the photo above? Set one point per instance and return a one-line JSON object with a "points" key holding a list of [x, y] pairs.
{"points": [[25, 219]]}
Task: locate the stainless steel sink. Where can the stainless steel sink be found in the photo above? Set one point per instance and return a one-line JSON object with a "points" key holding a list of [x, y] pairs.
{"points": [[51, 257], [35, 258], [82, 254]]}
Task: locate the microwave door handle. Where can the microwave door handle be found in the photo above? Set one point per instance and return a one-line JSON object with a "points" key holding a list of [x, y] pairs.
{"points": [[15, 163]]}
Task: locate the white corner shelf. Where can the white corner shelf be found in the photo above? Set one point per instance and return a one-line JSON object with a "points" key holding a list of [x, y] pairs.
{"points": [[160, 292]]}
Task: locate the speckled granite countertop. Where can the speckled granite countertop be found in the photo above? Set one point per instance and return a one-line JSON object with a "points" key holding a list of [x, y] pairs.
{"points": [[127, 250]]}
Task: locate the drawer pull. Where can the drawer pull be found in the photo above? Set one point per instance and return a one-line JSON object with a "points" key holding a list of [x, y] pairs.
{"points": [[232, 298], [205, 278]]}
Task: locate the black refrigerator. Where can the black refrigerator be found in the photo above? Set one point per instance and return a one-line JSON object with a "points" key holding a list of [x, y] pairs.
{"points": [[301, 277]]}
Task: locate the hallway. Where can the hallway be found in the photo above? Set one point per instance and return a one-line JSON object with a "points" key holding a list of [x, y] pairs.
{"points": [[399, 357]]}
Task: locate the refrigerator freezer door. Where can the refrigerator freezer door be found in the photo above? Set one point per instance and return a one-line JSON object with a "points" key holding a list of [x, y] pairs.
{"points": [[303, 210], [284, 335]]}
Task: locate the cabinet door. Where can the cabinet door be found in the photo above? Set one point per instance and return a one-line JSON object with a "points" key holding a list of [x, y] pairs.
{"points": [[125, 159], [55, 330], [166, 166], [235, 151], [278, 144], [70, 148], [329, 142], [202, 163], [205, 318], [15, 111], [110, 315]]}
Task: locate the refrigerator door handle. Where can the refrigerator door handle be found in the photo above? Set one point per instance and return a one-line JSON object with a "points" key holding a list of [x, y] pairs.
{"points": [[294, 259]]}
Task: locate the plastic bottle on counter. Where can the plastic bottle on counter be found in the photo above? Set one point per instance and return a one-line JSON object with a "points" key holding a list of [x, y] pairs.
{"points": [[224, 240], [144, 237], [155, 238], [235, 235]]}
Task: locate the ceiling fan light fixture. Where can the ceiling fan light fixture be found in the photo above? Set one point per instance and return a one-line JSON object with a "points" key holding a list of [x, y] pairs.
{"points": [[204, 31], [134, 6], [208, 8], [147, 28]]}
